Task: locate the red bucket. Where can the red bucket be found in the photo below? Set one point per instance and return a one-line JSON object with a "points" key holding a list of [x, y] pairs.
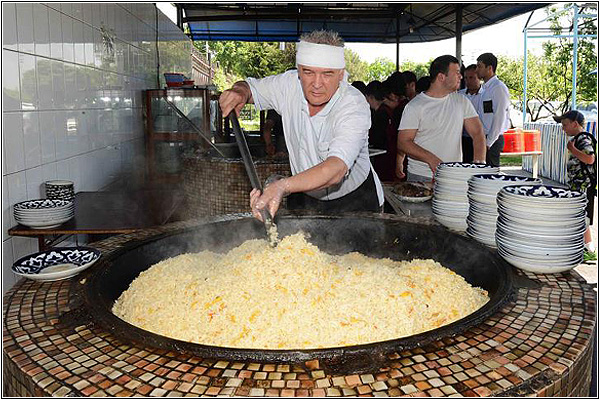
{"points": [[533, 140], [513, 141]]}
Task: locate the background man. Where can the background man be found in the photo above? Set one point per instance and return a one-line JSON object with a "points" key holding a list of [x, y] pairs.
{"points": [[473, 93], [325, 123], [432, 123], [494, 107]]}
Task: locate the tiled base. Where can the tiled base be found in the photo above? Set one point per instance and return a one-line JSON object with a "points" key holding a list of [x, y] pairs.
{"points": [[539, 344]]}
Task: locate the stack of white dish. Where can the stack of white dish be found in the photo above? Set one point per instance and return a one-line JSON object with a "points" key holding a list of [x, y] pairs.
{"points": [[450, 203], [60, 190], [540, 228], [483, 209], [44, 213]]}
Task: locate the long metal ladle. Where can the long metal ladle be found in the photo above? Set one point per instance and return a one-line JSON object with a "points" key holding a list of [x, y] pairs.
{"points": [[240, 138]]}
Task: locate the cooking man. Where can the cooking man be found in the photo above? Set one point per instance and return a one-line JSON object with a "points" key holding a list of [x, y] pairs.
{"points": [[326, 123]]}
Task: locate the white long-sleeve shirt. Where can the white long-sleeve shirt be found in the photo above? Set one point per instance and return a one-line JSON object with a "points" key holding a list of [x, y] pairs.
{"points": [[340, 129], [493, 109]]}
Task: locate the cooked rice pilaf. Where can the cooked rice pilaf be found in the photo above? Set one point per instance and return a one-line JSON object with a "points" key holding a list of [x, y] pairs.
{"points": [[294, 296]]}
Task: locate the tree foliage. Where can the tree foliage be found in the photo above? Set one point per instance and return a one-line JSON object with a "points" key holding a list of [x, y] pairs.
{"points": [[380, 69], [549, 77]]}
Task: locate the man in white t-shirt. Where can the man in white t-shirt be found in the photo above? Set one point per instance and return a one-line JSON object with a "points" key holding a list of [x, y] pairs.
{"points": [[431, 126], [326, 127]]}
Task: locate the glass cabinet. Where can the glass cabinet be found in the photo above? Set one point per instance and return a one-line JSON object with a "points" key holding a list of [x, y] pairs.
{"points": [[170, 114]]}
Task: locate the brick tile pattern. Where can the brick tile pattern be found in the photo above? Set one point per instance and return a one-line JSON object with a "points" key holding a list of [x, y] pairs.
{"points": [[539, 343]]}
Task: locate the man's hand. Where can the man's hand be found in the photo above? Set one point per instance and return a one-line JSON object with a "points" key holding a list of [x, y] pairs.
{"points": [[570, 146], [271, 198], [433, 163], [235, 98], [400, 171]]}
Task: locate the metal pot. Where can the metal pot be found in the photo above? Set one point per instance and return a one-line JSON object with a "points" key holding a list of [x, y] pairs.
{"points": [[370, 234]]}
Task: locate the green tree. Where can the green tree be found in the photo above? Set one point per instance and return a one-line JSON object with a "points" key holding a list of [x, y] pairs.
{"points": [[356, 68], [420, 69], [559, 52], [549, 77], [380, 69]]}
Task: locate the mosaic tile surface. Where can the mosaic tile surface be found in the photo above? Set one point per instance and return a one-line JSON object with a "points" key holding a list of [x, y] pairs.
{"points": [[538, 344]]}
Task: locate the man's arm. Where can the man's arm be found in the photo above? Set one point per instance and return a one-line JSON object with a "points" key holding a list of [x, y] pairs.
{"points": [[235, 98], [325, 174], [474, 128], [407, 145], [501, 102]]}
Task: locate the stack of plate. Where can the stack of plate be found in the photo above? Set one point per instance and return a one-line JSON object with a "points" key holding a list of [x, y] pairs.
{"points": [[44, 213], [483, 210], [450, 202], [60, 190], [540, 228]]}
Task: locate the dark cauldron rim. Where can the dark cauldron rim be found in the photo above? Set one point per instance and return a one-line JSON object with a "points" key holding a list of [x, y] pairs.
{"points": [[346, 359]]}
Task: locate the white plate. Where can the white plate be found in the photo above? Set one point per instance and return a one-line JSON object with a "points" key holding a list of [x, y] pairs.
{"points": [[56, 264]]}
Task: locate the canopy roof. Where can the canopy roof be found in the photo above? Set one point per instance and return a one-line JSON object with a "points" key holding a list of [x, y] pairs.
{"points": [[356, 22]]}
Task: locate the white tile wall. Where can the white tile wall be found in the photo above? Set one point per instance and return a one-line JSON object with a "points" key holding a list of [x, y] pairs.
{"points": [[64, 113]]}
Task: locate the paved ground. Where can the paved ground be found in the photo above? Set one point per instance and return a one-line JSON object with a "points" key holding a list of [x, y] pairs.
{"points": [[588, 271]]}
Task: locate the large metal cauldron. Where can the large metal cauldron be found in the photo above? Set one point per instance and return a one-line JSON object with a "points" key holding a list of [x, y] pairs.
{"points": [[369, 234]]}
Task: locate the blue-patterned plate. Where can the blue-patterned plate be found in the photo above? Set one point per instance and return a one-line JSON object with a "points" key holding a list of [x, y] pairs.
{"points": [[42, 204], [55, 264], [543, 192], [505, 178], [464, 165]]}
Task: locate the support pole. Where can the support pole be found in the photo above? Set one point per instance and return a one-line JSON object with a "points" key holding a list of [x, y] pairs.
{"points": [[397, 43], [575, 45], [525, 76], [458, 33]]}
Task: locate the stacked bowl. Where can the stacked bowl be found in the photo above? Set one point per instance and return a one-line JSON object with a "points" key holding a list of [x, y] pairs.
{"points": [[60, 190], [540, 228], [483, 209], [43, 213], [450, 203]]}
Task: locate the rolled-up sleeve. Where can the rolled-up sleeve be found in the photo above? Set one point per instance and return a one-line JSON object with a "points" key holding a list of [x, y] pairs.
{"points": [[270, 92], [350, 133]]}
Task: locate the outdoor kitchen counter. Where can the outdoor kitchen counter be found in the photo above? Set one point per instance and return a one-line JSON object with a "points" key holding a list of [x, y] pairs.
{"points": [[539, 343]]}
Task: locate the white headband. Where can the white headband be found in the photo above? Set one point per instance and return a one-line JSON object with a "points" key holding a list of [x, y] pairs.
{"points": [[319, 55]]}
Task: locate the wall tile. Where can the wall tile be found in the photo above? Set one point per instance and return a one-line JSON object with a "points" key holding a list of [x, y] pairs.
{"points": [[58, 84], [17, 185], [49, 172], [41, 30], [70, 85], [62, 171], [56, 40], [88, 45], [47, 137], [28, 82], [66, 8], [72, 133], [87, 11], [11, 90], [44, 83], [67, 37], [8, 277], [31, 140], [23, 246], [60, 126], [12, 137], [9, 26], [24, 24], [78, 42], [77, 11], [6, 209], [34, 178]]}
